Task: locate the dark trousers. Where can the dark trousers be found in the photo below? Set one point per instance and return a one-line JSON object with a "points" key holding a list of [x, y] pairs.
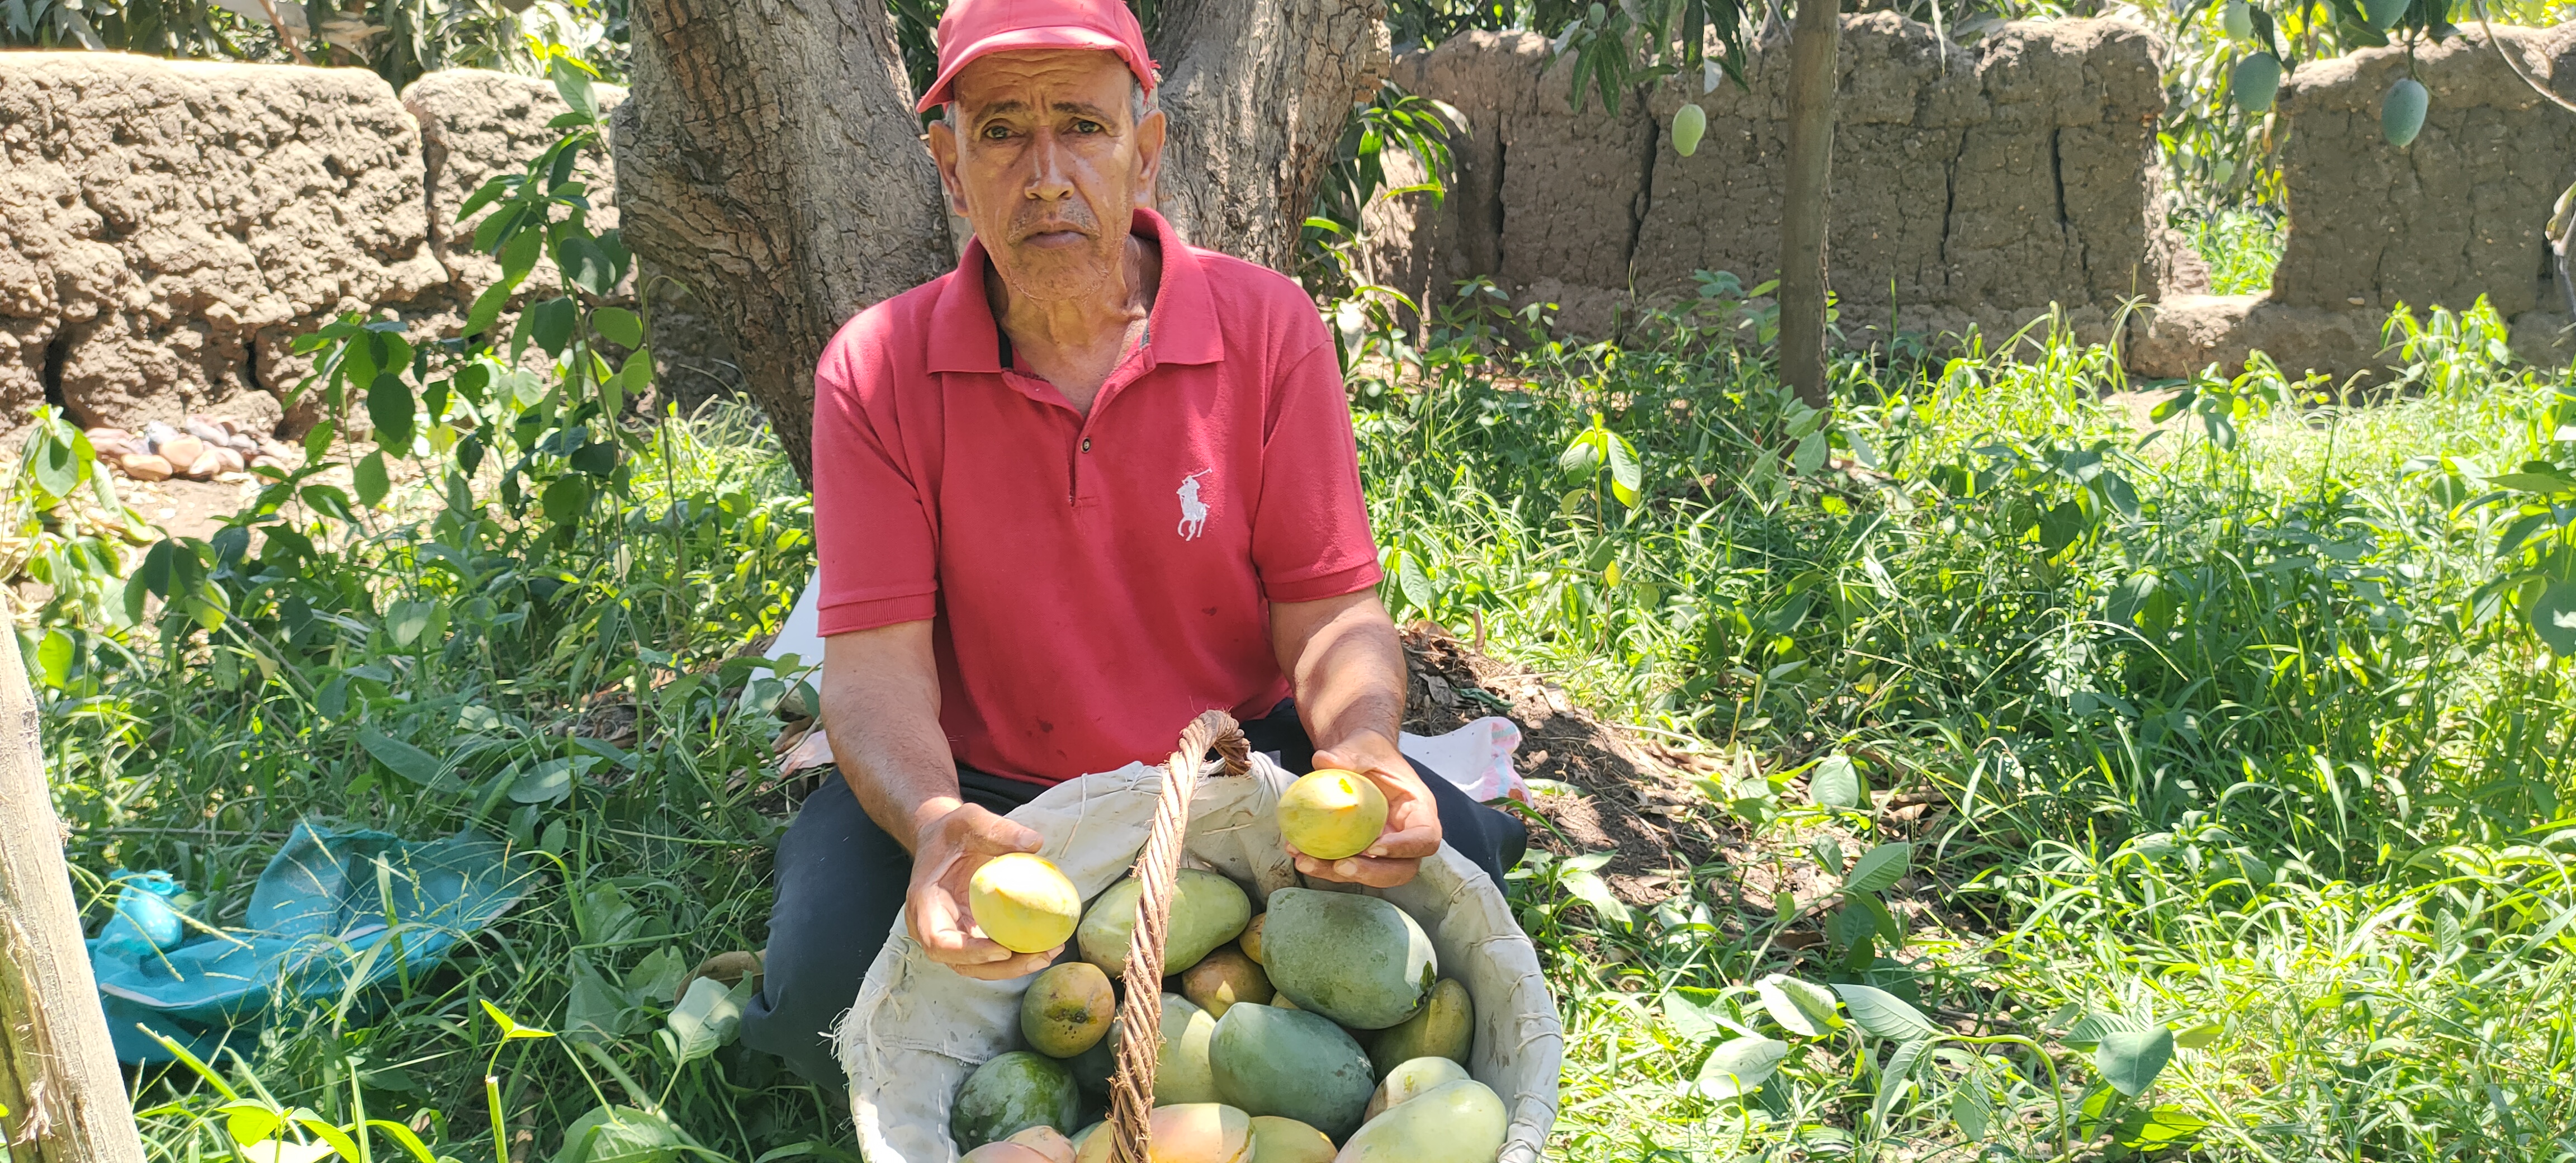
{"points": [[841, 880]]}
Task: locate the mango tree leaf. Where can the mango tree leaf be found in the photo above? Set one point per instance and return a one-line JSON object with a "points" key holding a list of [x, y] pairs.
{"points": [[1835, 783], [2200, 1037], [2130, 1060], [1884, 1014], [1880, 868], [1802, 1008], [409, 762], [1739, 1066]]}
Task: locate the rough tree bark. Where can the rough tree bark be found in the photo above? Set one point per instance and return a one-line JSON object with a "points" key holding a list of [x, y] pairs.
{"points": [[1814, 43], [767, 157], [58, 1072]]}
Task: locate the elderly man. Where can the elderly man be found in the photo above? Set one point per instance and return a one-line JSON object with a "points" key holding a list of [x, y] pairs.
{"points": [[1087, 485]]}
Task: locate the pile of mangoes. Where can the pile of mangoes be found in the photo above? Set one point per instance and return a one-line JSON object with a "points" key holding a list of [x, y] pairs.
{"points": [[1317, 1032]]}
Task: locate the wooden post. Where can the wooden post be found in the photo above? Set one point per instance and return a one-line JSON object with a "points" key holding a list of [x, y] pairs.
{"points": [[58, 1072], [1814, 42]]}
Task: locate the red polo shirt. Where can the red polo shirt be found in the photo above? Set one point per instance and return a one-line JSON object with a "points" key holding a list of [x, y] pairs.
{"points": [[1093, 583]]}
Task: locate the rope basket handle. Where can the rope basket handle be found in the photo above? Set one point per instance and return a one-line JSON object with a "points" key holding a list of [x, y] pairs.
{"points": [[1158, 870]]}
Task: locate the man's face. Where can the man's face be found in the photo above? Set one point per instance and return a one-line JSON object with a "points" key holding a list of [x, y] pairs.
{"points": [[1049, 165]]}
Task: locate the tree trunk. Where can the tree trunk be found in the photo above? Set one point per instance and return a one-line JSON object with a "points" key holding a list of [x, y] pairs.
{"points": [[1258, 92], [1813, 44], [767, 158], [58, 1072]]}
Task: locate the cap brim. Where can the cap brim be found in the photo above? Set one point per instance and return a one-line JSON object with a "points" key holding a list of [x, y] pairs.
{"points": [[1053, 36]]}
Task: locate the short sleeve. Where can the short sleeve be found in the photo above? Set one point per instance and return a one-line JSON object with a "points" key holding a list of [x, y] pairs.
{"points": [[1310, 535], [876, 553]]}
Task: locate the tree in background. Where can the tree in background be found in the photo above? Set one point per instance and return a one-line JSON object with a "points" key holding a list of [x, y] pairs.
{"points": [[770, 161]]}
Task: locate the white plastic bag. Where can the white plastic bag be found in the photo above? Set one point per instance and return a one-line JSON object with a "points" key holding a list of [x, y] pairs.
{"points": [[918, 1028]]}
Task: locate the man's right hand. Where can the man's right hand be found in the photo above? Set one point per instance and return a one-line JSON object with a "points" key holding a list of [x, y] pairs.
{"points": [[945, 854]]}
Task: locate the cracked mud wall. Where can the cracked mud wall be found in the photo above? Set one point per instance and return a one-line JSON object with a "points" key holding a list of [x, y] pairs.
{"points": [[1970, 185], [2458, 214], [168, 227]]}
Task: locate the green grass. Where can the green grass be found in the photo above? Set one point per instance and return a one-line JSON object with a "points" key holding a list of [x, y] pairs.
{"points": [[2241, 245], [2227, 732]]}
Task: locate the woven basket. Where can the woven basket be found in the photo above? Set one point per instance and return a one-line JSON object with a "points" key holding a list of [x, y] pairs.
{"points": [[918, 1029]]}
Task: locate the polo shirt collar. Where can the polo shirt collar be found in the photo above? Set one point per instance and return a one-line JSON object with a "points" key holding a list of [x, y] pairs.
{"points": [[1180, 329]]}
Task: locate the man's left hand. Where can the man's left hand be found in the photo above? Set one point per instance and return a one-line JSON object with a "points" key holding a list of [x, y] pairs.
{"points": [[1412, 818]]}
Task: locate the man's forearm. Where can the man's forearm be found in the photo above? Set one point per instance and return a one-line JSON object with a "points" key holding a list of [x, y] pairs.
{"points": [[881, 708], [1348, 669]]}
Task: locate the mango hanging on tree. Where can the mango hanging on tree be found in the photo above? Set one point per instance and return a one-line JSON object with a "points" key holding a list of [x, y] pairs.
{"points": [[2256, 80], [2401, 112], [1690, 123]]}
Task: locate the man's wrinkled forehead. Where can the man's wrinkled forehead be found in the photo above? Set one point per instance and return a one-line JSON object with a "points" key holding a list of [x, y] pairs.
{"points": [[1091, 82]]}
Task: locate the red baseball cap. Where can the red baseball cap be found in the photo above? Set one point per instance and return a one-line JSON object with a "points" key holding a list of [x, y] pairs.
{"points": [[973, 28]]}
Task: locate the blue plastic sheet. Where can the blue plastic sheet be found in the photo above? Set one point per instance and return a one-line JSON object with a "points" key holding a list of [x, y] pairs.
{"points": [[333, 914]]}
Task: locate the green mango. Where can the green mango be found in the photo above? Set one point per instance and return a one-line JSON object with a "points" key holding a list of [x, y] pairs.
{"points": [[1446, 1028], [1411, 1080], [1690, 123], [2401, 112], [2237, 19], [1207, 911], [1460, 1122], [1290, 1063], [1181, 1071], [1010, 1094], [1355, 959], [2256, 80]]}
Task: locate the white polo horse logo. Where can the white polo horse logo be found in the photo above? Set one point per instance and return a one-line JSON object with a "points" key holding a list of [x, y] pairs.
{"points": [[1194, 512]]}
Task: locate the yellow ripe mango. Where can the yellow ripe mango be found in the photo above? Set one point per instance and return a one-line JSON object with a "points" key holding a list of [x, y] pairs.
{"points": [[1461, 1122], [1279, 1139], [1200, 1132], [1411, 1080], [1067, 1009], [1445, 1027], [1023, 903], [1224, 978], [1330, 813]]}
